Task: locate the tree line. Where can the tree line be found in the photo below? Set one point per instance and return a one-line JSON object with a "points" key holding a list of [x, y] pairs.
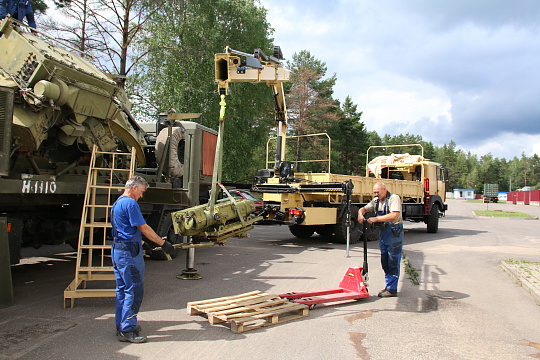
{"points": [[162, 53]]}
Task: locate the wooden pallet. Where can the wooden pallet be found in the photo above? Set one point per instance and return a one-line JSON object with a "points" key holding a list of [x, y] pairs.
{"points": [[248, 311]]}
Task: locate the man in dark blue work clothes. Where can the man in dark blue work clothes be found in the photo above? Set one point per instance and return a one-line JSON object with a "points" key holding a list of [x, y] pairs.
{"points": [[128, 226], [387, 208], [18, 9]]}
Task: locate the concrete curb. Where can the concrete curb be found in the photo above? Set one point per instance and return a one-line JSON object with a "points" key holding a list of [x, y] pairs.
{"points": [[520, 277]]}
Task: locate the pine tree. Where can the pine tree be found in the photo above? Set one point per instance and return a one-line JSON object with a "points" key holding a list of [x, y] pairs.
{"points": [[350, 140], [311, 108]]}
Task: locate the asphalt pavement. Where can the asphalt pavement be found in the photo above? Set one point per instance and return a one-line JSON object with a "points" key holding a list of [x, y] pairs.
{"points": [[466, 306]]}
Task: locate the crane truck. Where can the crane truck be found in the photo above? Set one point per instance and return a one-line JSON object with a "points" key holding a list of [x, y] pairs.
{"points": [[315, 202]]}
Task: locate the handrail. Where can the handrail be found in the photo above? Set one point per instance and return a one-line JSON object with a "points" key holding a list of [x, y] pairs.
{"points": [[268, 162]]}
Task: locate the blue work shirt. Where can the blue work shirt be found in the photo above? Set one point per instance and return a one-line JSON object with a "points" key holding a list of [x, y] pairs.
{"points": [[23, 8], [126, 215]]}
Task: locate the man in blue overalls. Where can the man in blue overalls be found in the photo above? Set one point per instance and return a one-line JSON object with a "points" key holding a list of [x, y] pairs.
{"points": [[18, 9], [128, 226], [387, 208]]}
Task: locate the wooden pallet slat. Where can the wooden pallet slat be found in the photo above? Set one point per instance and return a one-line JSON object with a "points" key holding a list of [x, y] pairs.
{"points": [[248, 311], [236, 304], [272, 318], [234, 310], [194, 305]]}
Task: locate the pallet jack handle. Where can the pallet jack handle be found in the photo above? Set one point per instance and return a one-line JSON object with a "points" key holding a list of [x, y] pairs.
{"points": [[348, 187], [364, 240]]}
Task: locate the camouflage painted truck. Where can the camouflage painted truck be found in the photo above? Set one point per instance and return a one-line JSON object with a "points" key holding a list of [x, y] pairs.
{"points": [[316, 202], [54, 106]]}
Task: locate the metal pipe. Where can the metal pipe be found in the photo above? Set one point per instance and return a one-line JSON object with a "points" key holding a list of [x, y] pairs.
{"points": [[65, 170], [190, 258], [232, 51], [278, 149], [30, 159]]}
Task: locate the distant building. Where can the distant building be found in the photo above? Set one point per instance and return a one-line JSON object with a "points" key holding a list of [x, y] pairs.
{"points": [[463, 194]]}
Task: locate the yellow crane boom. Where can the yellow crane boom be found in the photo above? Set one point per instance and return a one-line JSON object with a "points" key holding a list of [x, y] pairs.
{"points": [[237, 66]]}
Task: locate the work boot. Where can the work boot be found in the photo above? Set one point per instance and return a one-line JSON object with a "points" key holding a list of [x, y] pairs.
{"points": [[386, 293], [137, 329], [132, 337]]}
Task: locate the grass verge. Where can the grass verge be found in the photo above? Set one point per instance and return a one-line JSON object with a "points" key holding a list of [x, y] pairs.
{"points": [[410, 270], [499, 213]]}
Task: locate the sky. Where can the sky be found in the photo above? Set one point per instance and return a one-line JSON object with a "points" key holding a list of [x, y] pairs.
{"points": [[461, 70]]}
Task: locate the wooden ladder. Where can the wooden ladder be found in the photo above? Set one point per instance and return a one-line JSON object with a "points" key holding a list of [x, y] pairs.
{"points": [[107, 175]]}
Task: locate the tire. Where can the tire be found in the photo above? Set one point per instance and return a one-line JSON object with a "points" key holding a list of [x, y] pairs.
{"points": [[167, 229], [325, 230], [340, 229], [302, 232], [433, 220], [176, 149]]}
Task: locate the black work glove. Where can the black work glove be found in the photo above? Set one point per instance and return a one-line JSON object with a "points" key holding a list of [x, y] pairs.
{"points": [[167, 247]]}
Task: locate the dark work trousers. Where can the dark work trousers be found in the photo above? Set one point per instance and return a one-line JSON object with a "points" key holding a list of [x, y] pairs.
{"points": [[391, 244], [128, 264]]}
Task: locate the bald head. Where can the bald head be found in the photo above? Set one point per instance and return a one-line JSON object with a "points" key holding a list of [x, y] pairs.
{"points": [[379, 189]]}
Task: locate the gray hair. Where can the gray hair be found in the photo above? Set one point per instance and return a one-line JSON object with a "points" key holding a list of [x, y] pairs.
{"points": [[381, 185], [136, 181]]}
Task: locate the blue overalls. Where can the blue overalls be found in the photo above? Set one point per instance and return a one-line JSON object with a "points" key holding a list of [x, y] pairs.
{"points": [[391, 245], [21, 8], [128, 262]]}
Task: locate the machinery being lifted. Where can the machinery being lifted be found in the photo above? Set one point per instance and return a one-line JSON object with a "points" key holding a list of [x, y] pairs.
{"points": [[217, 220], [315, 202]]}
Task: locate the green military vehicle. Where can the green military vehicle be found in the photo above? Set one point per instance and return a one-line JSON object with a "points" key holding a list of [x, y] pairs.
{"points": [[55, 105], [491, 193]]}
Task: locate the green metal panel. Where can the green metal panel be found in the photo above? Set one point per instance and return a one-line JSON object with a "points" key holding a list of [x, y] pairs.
{"points": [[6, 116]]}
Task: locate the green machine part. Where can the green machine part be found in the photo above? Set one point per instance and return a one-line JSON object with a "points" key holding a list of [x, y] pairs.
{"points": [[229, 218]]}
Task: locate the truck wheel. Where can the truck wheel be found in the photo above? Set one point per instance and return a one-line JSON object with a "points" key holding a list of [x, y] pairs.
{"points": [[176, 149], [167, 229], [302, 232], [433, 220], [325, 230], [340, 229]]}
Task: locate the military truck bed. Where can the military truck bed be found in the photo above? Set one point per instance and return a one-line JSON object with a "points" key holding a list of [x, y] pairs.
{"points": [[409, 191]]}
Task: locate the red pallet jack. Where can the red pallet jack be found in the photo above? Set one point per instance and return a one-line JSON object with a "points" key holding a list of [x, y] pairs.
{"points": [[352, 287]]}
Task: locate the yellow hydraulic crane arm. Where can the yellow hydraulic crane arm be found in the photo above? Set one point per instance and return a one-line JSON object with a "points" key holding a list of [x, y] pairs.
{"points": [[236, 66]]}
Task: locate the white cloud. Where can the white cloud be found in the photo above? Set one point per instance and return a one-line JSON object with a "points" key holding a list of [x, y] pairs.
{"points": [[461, 70], [507, 145]]}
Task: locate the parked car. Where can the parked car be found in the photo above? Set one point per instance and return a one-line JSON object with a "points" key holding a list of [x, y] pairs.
{"points": [[244, 194]]}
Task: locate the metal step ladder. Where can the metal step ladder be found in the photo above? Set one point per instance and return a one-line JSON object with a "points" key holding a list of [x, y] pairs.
{"points": [[107, 175]]}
